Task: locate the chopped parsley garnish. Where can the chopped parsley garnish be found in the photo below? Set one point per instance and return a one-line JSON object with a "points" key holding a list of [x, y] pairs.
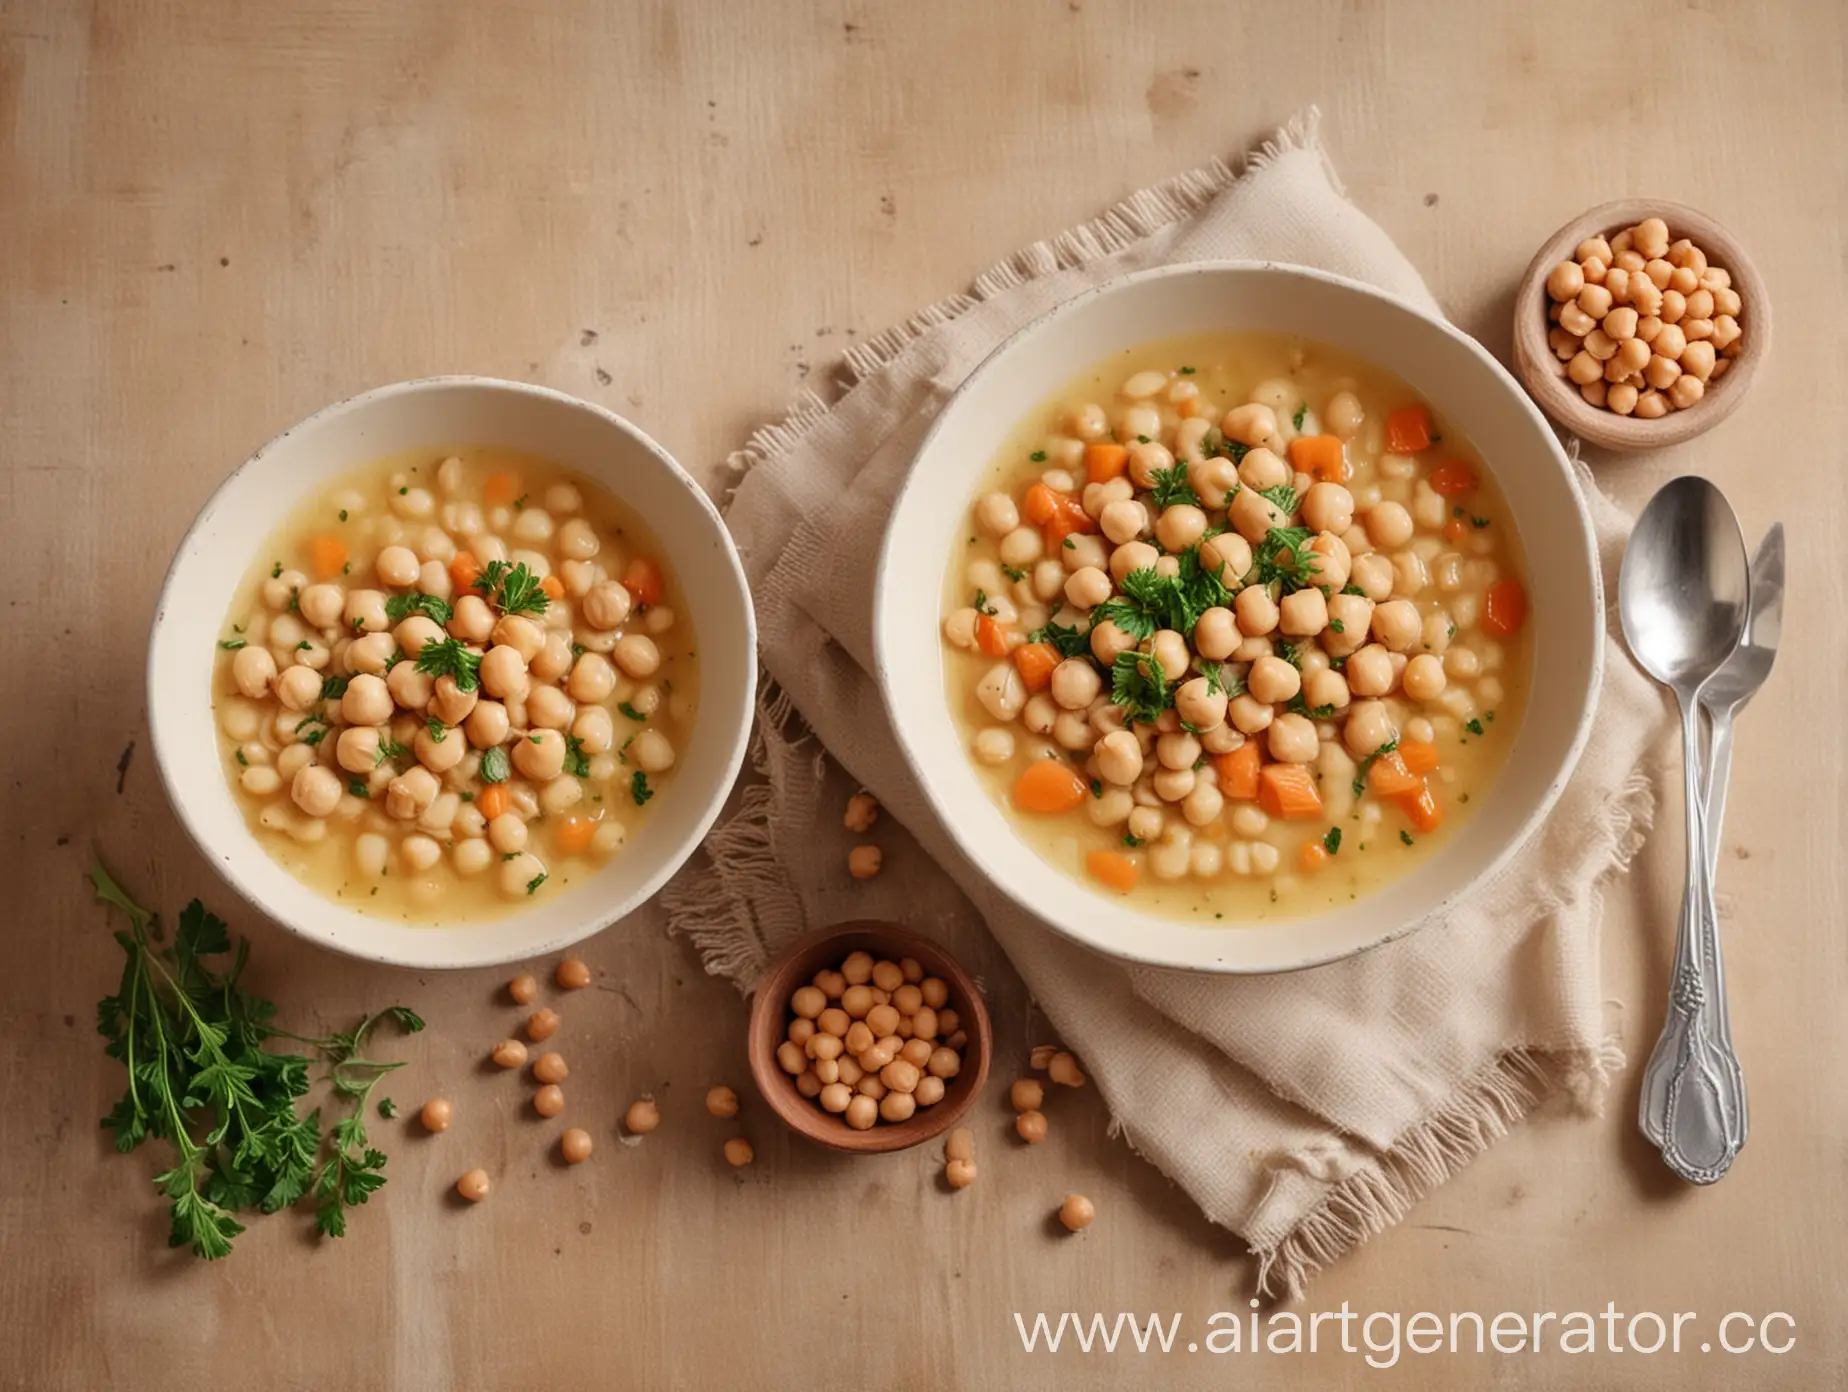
{"points": [[1187, 372], [519, 505], [343, 513], [1451, 632], [1289, 652], [1222, 676], [1069, 642], [1151, 600], [1131, 841], [639, 790], [1479, 521], [1297, 419], [1038, 456], [1097, 788], [387, 1108], [1360, 778], [982, 606], [390, 749], [1474, 727], [576, 762], [304, 646], [451, 657], [1354, 590], [276, 571], [1070, 545], [231, 644], [312, 737], [1013, 572], [1285, 558], [1170, 487], [532, 885], [1138, 684], [333, 688], [358, 788], [622, 754], [1406, 837], [467, 796], [438, 731], [1283, 496], [631, 712], [1337, 625], [404, 490], [513, 588], [242, 760], [1217, 443], [401, 606], [1332, 842], [1299, 706], [494, 765]]}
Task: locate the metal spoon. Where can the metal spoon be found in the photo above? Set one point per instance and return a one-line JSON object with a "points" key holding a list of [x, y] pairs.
{"points": [[1683, 597], [1745, 671]]}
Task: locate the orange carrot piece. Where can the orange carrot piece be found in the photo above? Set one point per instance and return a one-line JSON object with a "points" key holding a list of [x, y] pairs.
{"points": [[497, 490], [1456, 529], [1105, 461], [1112, 868], [574, 835], [1408, 430], [326, 555], [1036, 661], [1312, 857], [1039, 505], [1389, 777], [643, 580], [1071, 517], [494, 800], [464, 570], [1418, 757], [1048, 787], [554, 587], [1319, 456], [1190, 408], [1238, 772], [1288, 791], [1421, 808], [1451, 478], [1505, 609], [990, 637]]}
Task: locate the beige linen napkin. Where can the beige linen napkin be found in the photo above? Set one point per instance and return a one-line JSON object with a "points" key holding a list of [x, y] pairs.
{"points": [[1306, 1111]]}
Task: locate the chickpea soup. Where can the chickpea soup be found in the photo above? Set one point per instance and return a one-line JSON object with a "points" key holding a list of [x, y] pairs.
{"points": [[453, 681], [1238, 629]]}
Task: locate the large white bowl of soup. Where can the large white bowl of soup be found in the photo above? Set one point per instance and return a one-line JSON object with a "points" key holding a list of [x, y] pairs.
{"points": [[456, 672], [1238, 618]]}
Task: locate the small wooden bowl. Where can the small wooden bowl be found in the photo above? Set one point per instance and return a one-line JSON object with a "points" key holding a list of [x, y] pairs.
{"points": [[769, 1027], [1560, 398]]}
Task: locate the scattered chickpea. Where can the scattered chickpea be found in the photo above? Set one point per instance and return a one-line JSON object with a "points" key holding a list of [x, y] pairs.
{"points": [[436, 1115], [473, 1186], [738, 1152], [575, 1146], [572, 974], [542, 1024], [550, 1068], [1063, 1068], [961, 1145], [1027, 1095], [524, 988], [721, 1102], [1042, 1056], [1077, 1213], [549, 1101], [509, 1053], [960, 1173], [863, 862], [642, 1117], [1031, 1126], [862, 812]]}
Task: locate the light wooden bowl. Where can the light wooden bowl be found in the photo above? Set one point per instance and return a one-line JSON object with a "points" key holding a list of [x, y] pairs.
{"points": [[770, 1017], [1556, 394]]}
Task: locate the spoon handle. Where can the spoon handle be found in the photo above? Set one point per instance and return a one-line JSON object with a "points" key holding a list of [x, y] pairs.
{"points": [[1693, 1102]]}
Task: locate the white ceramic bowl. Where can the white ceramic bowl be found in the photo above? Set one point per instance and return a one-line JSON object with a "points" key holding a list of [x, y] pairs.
{"points": [[218, 551], [1441, 364]]}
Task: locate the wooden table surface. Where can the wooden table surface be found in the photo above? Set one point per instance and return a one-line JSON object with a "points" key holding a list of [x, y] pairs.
{"points": [[217, 216]]}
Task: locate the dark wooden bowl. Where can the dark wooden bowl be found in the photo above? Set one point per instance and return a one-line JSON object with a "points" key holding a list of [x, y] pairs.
{"points": [[1542, 373], [770, 1016]]}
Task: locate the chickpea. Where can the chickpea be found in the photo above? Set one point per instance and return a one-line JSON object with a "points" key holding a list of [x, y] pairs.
{"points": [[1200, 705], [864, 862], [365, 612], [1180, 527], [369, 654], [1248, 714], [486, 726], [1423, 678], [1212, 479], [410, 794], [1293, 739], [1595, 300], [411, 689], [608, 605], [540, 755], [637, 655], [1687, 390], [542, 1024], [471, 620], [520, 634], [1001, 691], [1373, 574], [503, 673], [1077, 1212], [473, 1186], [1170, 650], [1251, 424], [1124, 521], [642, 1116], [1131, 556], [1326, 687], [1216, 634], [1031, 1127], [1075, 683], [575, 1145], [1368, 727], [1257, 612], [316, 790], [1273, 680], [1119, 758], [298, 688], [1369, 671], [1304, 613], [1564, 281], [959, 1173], [1260, 469], [509, 1053], [1252, 515], [1389, 526], [252, 671], [1396, 624]]}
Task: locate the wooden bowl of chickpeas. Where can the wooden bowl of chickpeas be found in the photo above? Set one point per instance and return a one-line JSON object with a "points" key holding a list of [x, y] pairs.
{"points": [[813, 1016], [1640, 324]]}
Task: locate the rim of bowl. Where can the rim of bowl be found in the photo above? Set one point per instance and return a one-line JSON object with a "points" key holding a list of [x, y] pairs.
{"points": [[605, 914], [1123, 948]]}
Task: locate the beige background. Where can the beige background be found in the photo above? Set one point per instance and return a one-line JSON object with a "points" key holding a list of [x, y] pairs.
{"points": [[217, 216]]}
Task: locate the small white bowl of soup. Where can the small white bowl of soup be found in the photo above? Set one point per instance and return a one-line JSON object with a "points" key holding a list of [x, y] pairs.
{"points": [[1238, 618], [453, 673]]}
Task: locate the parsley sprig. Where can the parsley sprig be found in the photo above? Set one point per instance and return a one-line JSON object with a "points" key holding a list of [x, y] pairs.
{"points": [[1284, 558], [1138, 684], [1170, 487], [200, 1079], [399, 607], [1069, 642], [513, 588], [1366, 764], [451, 657]]}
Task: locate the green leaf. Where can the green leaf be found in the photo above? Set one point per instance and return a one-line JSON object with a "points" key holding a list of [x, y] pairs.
{"points": [[232, 644], [982, 606], [1170, 487], [532, 885], [1360, 778], [1301, 413], [437, 730], [494, 767], [1139, 685], [399, 607], [1284, 557], [1283, 496], [629, 712], [333, 688], [1069, 642], [577, 764], [1332, 841], [514, 589], [452, 658], [639, 791]]}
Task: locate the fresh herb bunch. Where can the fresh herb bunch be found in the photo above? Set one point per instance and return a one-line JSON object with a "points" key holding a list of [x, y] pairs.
{"points": [[1138, 684], [1284, 558], [200, 1078], [513, 588], [1170, 487], [452, 658]]}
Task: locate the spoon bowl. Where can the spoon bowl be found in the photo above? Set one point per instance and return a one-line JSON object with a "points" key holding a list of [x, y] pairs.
{"points": [[1685, 586]]}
